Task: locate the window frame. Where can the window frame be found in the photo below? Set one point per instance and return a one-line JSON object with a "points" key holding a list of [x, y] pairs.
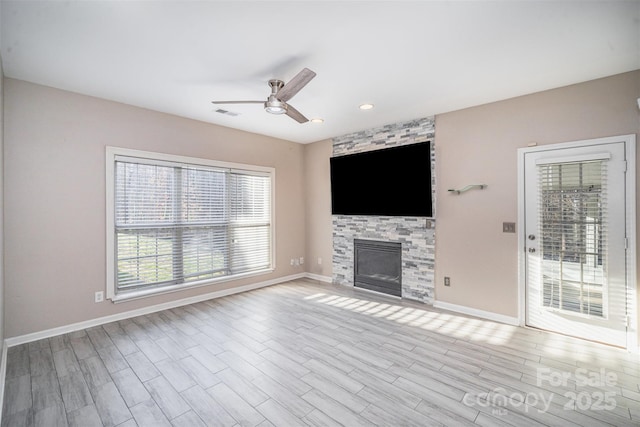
{"points": [[112, 153]]}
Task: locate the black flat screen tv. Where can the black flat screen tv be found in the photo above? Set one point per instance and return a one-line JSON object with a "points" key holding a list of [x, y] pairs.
{"points": [[393, 181]]}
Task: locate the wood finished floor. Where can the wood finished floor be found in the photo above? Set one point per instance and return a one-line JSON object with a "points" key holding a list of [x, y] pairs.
{"points": [[307, 353]]}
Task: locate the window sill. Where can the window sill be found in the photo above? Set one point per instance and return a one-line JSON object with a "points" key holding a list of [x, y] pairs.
{"points": [[145, 293]]}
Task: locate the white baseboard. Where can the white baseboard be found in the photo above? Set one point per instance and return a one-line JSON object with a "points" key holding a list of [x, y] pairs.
{"points": [[477, 313], [35, 336], [3, 374], [318, 277]]}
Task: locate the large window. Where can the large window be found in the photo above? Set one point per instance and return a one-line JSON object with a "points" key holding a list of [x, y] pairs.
{"points": [[175, 222]]}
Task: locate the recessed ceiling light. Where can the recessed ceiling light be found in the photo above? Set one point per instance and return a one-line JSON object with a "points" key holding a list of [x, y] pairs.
{"points": [[366, 106], [317, 120]]}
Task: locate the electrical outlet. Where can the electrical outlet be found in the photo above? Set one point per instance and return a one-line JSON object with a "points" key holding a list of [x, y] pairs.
{"points": [[293, 262], [319, 261], [296, 261], [301, 260], [447, 281], [99, 297]]}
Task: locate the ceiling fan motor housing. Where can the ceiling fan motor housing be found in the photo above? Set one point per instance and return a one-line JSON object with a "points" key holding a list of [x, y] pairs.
{"points": [[273, 105]]}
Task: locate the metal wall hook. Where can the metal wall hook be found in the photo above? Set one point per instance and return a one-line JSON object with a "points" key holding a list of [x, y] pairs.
{"points": [[469, 187]]}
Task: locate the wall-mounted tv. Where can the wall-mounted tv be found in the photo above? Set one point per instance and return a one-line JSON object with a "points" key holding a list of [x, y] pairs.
{"points": [[393, 181]]}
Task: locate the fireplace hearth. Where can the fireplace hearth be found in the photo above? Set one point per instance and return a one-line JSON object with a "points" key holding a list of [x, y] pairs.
{"points": [[378, 266]]}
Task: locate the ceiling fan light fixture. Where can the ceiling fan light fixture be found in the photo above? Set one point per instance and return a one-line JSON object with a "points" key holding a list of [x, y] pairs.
{"points": [[317, 120], [275, 109], [275, 106], [366, 106]]}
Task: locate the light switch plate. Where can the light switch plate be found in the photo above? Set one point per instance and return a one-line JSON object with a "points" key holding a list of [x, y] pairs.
{"points": [[508, 227]]}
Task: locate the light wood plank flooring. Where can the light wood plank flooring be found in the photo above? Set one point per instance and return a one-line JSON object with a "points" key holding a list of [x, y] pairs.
{"points": [[307, 353]]}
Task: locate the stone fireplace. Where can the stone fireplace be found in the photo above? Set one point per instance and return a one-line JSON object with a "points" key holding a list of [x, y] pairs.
{"points": [[416, 235]]}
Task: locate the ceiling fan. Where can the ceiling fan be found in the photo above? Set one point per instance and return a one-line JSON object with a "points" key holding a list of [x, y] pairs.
{"points": [[276, 103]]}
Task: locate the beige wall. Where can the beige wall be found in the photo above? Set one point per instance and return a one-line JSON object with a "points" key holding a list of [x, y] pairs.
{"points": [[318, 208], [55, 197], [479, 145], [55, 202]]}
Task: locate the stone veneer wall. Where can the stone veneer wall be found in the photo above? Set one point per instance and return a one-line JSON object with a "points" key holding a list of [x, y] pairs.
{"points": [[416, 234]]}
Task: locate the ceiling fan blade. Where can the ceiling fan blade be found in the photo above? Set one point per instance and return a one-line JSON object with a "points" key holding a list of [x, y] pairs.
{"points": [[237, 102], [295, 84], [296, 115]]}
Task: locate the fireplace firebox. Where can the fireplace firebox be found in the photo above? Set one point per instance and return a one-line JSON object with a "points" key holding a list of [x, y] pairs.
{"points": [[378, 266]]}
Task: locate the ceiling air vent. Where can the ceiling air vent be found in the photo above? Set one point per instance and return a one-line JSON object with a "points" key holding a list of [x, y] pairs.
{"points": [[227, 113]]}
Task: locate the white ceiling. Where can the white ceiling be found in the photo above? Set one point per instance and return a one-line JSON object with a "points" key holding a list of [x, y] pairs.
{"points": [[410, 58]]}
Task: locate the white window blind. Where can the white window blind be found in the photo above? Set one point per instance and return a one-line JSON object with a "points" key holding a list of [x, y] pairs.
{"points": [[181, 224], [573, 200]]}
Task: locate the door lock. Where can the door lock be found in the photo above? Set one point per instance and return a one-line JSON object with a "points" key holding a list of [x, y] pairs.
{"points": [[532, 237]]}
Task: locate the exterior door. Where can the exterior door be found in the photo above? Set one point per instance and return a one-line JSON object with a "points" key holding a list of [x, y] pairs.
{"points": [[575, 240]]}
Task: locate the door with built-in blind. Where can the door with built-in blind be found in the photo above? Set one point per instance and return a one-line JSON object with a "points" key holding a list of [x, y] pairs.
{"points": [[575, 240]]}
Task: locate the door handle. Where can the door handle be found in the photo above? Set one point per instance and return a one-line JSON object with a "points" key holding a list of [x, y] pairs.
{"points": [[532, 250]]}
